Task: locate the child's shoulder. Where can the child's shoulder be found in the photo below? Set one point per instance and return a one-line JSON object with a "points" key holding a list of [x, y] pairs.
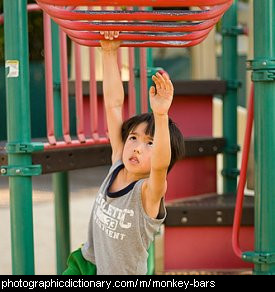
{"points": [[115, 165]]}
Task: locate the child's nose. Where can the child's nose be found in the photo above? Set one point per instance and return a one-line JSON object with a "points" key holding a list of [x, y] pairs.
{"points": [[138, 148]]}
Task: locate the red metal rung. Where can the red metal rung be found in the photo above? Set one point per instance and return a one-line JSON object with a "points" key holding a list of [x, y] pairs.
{"points": [[84, 35], [137, 26], [157, 15], [154, 3]]}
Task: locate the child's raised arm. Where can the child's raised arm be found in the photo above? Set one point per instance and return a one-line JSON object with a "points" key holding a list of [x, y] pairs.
{"points": [[155, 187], [113, 92]]}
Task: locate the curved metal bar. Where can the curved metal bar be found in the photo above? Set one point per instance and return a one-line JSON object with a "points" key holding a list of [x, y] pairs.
{"points": [[91, 43], [137, 26], [84, 35], [158, 15], [241, 185], [154, 3]]}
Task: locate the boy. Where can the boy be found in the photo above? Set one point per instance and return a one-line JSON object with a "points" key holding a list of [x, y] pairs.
{"points": [[129, 207]]}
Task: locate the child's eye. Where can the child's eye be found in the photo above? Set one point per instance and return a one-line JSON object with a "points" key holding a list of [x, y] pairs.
{"points": [[132, 138], [150, 143]]}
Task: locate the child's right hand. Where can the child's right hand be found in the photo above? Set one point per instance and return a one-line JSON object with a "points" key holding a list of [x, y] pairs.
{"points": [[109, 44]]}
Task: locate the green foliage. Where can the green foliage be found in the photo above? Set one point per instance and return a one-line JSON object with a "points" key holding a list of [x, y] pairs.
{"points": [[35, 26]]}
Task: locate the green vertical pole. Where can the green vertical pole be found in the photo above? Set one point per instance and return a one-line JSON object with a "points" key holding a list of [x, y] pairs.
{"points": [[151, 250], [229, 73], [60, 180], [263, 75], [137, 80], [150, 71], [19, 131], [137, 77]]}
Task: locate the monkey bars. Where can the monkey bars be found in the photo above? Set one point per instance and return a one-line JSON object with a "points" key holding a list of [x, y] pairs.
{"points": [[157, 28]]}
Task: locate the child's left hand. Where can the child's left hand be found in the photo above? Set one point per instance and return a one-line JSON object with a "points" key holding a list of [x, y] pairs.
{"points": [[161, 97], [110, 42]]}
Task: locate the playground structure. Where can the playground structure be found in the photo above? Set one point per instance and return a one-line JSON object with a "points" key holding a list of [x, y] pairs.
{"points": [[182, 229]]}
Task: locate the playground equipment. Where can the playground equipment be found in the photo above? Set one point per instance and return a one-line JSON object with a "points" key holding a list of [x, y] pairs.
{"points": [[79, 24], [201, 152], [242, 181]]}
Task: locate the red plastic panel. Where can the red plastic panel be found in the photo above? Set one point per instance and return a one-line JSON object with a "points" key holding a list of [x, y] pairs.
{"points": [[204, 248], [197, 175], [192, 176], [193, 115]]}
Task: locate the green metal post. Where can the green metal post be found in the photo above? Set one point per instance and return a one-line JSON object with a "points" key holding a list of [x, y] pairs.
{"points": [[60, 180], [229, 73], [150, 72], [19, 131], [263, 75], [137, 77], [137, 80], [62, 224], [150, 64]]}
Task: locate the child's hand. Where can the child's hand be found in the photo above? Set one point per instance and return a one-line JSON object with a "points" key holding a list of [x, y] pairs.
{"points": [[161, 97], [109, 44]]}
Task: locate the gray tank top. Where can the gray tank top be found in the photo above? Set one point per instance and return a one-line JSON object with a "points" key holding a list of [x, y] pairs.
{"points": [[120, 231]]}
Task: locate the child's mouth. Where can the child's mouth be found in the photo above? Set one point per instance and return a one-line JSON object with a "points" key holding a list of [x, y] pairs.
{"points": [[134, 160]]}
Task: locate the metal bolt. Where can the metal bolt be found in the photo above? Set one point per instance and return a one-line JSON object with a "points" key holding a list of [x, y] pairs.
{"points": [[215, 148], [219, 219], [184, 220], [201, 149], [17, 171], [264, 63], [3, 170]]}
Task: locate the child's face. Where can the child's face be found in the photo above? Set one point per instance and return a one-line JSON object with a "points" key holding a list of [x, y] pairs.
{"points": [[137, 151]]}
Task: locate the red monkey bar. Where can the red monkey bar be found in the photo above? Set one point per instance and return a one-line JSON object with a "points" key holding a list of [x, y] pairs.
{"points": [[157, 28], [139, 28], [156, 3]]}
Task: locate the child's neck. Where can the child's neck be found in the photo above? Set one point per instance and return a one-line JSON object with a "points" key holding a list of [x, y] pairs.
{"points": [[130, 177]]}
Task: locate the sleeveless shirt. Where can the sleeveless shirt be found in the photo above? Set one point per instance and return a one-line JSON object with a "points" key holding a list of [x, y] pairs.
{"points": [[120, 232]]}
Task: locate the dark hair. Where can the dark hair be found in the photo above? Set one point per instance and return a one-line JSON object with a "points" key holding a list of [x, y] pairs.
{"points": [[176, 137]]}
